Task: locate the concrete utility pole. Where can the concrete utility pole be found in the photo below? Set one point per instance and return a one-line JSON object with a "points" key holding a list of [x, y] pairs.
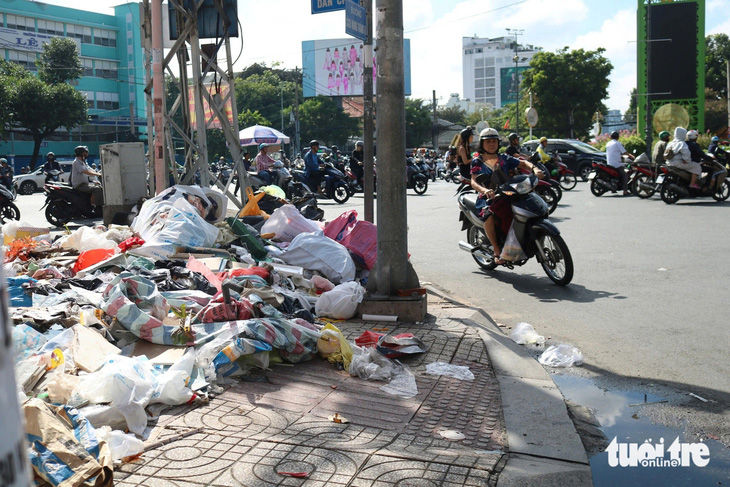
{"points": [[368, 155], [392, 269], [434, 129], [158, 97]]}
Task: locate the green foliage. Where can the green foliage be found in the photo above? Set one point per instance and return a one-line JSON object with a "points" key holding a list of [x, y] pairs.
{"points": [[59, 62], [248, 118], [453, 114], [630, 114], [717, 52], [320, 118], [632, 142], [172, 90], [568, 88], [419, 121], [216, 145], [264, 91]]}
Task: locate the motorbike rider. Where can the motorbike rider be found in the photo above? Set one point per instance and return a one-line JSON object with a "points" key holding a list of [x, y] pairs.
{"points": [[514, 148], [681, 157], [496, 167], [284, 160], [313, 167], [698, 155], [450, 158], [50, 165], [463, 152], [81, 175], [264, 164], [614, 151], [6, 173], [657, 155], [718, 152], [356, 162]]}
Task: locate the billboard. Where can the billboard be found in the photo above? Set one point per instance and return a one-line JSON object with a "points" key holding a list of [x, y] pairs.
{"points": [[208, 111], [334, 67], [510, 82], [21, 40]]}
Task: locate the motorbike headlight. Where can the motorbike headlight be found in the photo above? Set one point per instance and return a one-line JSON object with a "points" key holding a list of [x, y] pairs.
{"points": [[524, 186]]}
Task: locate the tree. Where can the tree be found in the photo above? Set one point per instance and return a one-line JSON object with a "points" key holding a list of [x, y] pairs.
{"points": [[452, 114], [717, 52], [248, 118], [320, 118], [59, 62], [630, 114], [265, 91], [419, 122], [568, 88]]}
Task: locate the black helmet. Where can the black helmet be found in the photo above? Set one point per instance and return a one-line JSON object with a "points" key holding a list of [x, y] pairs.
{"points": [[513, 136], [79, 150], [465, 134], [313, 142], [614, 135], [359, 143], [50, 154]]}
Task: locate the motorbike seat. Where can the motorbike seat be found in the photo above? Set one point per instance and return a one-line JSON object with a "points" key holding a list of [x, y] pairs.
{"points": [[680, 172], [469, 200]]}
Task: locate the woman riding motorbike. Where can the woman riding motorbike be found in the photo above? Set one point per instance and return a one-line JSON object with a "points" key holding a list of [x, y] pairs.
{"points": [[488, 171]]}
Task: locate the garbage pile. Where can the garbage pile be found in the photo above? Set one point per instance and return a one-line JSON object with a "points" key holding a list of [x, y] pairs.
{"points": [[109, 322]]}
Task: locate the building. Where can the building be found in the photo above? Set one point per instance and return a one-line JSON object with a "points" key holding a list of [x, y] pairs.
{"points": [[489, 72], [113, 80], [615, 121], [467, 105]]}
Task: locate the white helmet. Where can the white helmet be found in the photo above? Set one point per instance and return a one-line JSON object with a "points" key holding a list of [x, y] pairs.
{"points": [[488, 133], [692, 135]]}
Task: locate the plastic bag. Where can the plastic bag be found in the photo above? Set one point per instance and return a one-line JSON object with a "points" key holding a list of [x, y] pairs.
{"points": [[316, 252], [121, 444], [403, 384], [173, 385], [512, 250], [333, 346], [341, 302], [287, 222], [369, 364], [523, 333], [456, 371], [561, 356], [86, 238]]}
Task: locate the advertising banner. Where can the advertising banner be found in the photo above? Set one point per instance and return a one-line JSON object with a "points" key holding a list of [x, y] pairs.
{"points": [[209, 115], [21, 40], [334, 67], [510, 81]]}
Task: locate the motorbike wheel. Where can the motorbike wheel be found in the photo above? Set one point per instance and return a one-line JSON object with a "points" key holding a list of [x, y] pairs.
{"points": [[568, 181], [550, 197], [28, 187], [636, 186], [559, 263], [585, 172], [9, 212], [597, 188], [723, 192], [477, 238], [420, 186], [669, 196], [58, 212], [341, 194]]}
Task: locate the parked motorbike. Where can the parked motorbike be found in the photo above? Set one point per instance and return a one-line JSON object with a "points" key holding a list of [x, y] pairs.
{"points": [[415, 179], [8, 210], [531, 230], [283, 179], [64, 204], [674, 185], [334, 183]]}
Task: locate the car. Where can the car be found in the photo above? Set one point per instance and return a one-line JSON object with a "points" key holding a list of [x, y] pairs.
{"points": [[32, 182], [577, 155]]}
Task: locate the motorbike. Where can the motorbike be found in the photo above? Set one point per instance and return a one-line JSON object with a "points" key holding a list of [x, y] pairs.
{"points": [[548, 188], [415, 179], [334, 183], [565, 177], [531, 233], [674, 185], [64, 204], [644, 181], [441, 169], [8, 210], [606, 178], [283, 179]]}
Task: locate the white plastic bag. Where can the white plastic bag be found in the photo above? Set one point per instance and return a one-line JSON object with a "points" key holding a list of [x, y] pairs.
{"points": [[369, 364], [403, 384], [120, 444], [173, 384], [341, 302], [287, 222], [561, 356], [86, 238], [512, 250], [523, 333], [316, 252], [456, 371]]}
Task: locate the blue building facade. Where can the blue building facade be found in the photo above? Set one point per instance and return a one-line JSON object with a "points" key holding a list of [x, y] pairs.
{"points": [[113, 82]]}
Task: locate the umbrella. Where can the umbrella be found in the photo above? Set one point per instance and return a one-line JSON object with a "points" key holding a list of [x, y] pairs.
{"points": [[259, 134]]}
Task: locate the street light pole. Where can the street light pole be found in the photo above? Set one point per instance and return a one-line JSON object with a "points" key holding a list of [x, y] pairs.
{"points": [[516, 59]]}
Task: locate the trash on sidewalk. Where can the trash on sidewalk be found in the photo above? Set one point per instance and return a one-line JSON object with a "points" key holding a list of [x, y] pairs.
{"points": [[562, 355], [524, 334], [456, 371], [333, 346], [403, 384], [452, 435], [340, 302], [392, 346]]}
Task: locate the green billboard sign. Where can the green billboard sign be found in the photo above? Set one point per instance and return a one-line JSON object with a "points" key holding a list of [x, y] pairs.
{"points": [[510, 82]]}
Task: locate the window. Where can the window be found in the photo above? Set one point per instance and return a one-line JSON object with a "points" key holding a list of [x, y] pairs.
{"points": [[479, 50], [489, 73], [479, 63], [89, 98], [491, 101], [20, 23], [88, 65], [469, 51], [479, 73], [106, 69], [25, 59], [489, 82], [481, 93], [489, 61], [105, 37], [107, 101], [479, 83], [79, 32], [50, 27]]}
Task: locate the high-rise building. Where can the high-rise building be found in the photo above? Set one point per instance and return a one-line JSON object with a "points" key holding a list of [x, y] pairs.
{"points": [[111, 55], [492, 67]]}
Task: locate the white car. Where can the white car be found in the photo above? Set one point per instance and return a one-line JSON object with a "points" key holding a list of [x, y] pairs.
{"points": [[32, 182]]}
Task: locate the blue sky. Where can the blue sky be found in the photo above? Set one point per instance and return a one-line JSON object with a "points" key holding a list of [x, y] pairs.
{"points": [[273, 31]]}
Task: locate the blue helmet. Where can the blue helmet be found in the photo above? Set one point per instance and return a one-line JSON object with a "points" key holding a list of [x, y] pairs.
{"points": [[263, 146], [716, 139]]}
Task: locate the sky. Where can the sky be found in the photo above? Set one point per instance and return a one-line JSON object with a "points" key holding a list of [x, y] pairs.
{"points": [[272, 32]]}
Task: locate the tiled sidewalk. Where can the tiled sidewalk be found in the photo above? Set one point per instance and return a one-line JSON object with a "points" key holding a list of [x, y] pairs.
{"points": [[278, 421]]}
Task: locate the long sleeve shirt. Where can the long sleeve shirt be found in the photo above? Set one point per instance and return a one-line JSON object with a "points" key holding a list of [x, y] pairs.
{"points": [[311, 163], [263, 162]]}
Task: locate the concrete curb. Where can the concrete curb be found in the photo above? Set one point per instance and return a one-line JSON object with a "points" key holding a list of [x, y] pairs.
{"points": [[544, 447]]}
